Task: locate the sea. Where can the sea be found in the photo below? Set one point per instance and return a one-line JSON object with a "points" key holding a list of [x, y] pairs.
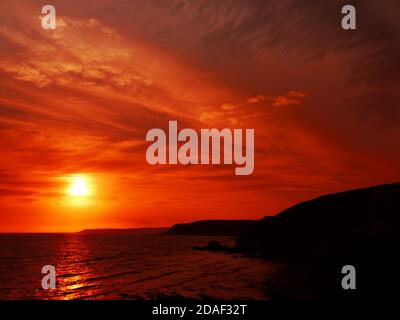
{"points": [[139, 267]]}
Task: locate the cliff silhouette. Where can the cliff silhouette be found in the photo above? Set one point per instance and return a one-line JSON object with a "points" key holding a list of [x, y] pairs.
{"points": [[318, 237], [314, 239], [337, 224], [212, 227]]}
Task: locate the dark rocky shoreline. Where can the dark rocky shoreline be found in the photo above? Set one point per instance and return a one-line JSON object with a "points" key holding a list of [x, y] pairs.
{"points": [[317, 238]]}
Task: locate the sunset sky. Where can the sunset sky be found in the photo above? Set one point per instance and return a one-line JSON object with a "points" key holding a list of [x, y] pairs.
{"points": [[77, 102]]}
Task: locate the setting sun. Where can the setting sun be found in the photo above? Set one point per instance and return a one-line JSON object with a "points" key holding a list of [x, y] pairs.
{"points": [[79, 188]]}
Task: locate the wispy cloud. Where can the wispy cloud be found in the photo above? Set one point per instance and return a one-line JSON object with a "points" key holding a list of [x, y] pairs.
{"points": [[291, 98], [82, 97]]}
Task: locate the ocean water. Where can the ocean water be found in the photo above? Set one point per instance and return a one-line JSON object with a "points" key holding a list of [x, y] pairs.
{"points": [[127, 267]]}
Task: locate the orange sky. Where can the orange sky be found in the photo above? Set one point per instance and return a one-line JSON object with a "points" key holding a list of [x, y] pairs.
{"points": [[79, 100]]}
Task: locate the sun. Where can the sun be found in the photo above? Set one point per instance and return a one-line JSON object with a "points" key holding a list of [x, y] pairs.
{"points": [[80, 190], [79, 187]]}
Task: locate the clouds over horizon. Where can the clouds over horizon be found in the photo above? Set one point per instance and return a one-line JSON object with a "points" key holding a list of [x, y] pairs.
{"points": [[82, 97]]}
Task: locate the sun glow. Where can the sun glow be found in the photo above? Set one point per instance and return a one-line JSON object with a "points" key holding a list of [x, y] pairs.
{"points": [[79, 187]]}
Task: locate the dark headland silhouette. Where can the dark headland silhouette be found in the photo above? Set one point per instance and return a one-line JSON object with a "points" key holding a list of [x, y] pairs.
{"points": [[212, 227], [315, 239], [318, 237], [334, 224]]}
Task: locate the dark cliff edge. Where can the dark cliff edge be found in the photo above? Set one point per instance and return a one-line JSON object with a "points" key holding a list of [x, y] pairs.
{"points": [[357, 227], [331, 225], [212, 227]]}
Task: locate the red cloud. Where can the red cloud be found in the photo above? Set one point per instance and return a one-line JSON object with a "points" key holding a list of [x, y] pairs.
{"points": [[291, 98]]}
